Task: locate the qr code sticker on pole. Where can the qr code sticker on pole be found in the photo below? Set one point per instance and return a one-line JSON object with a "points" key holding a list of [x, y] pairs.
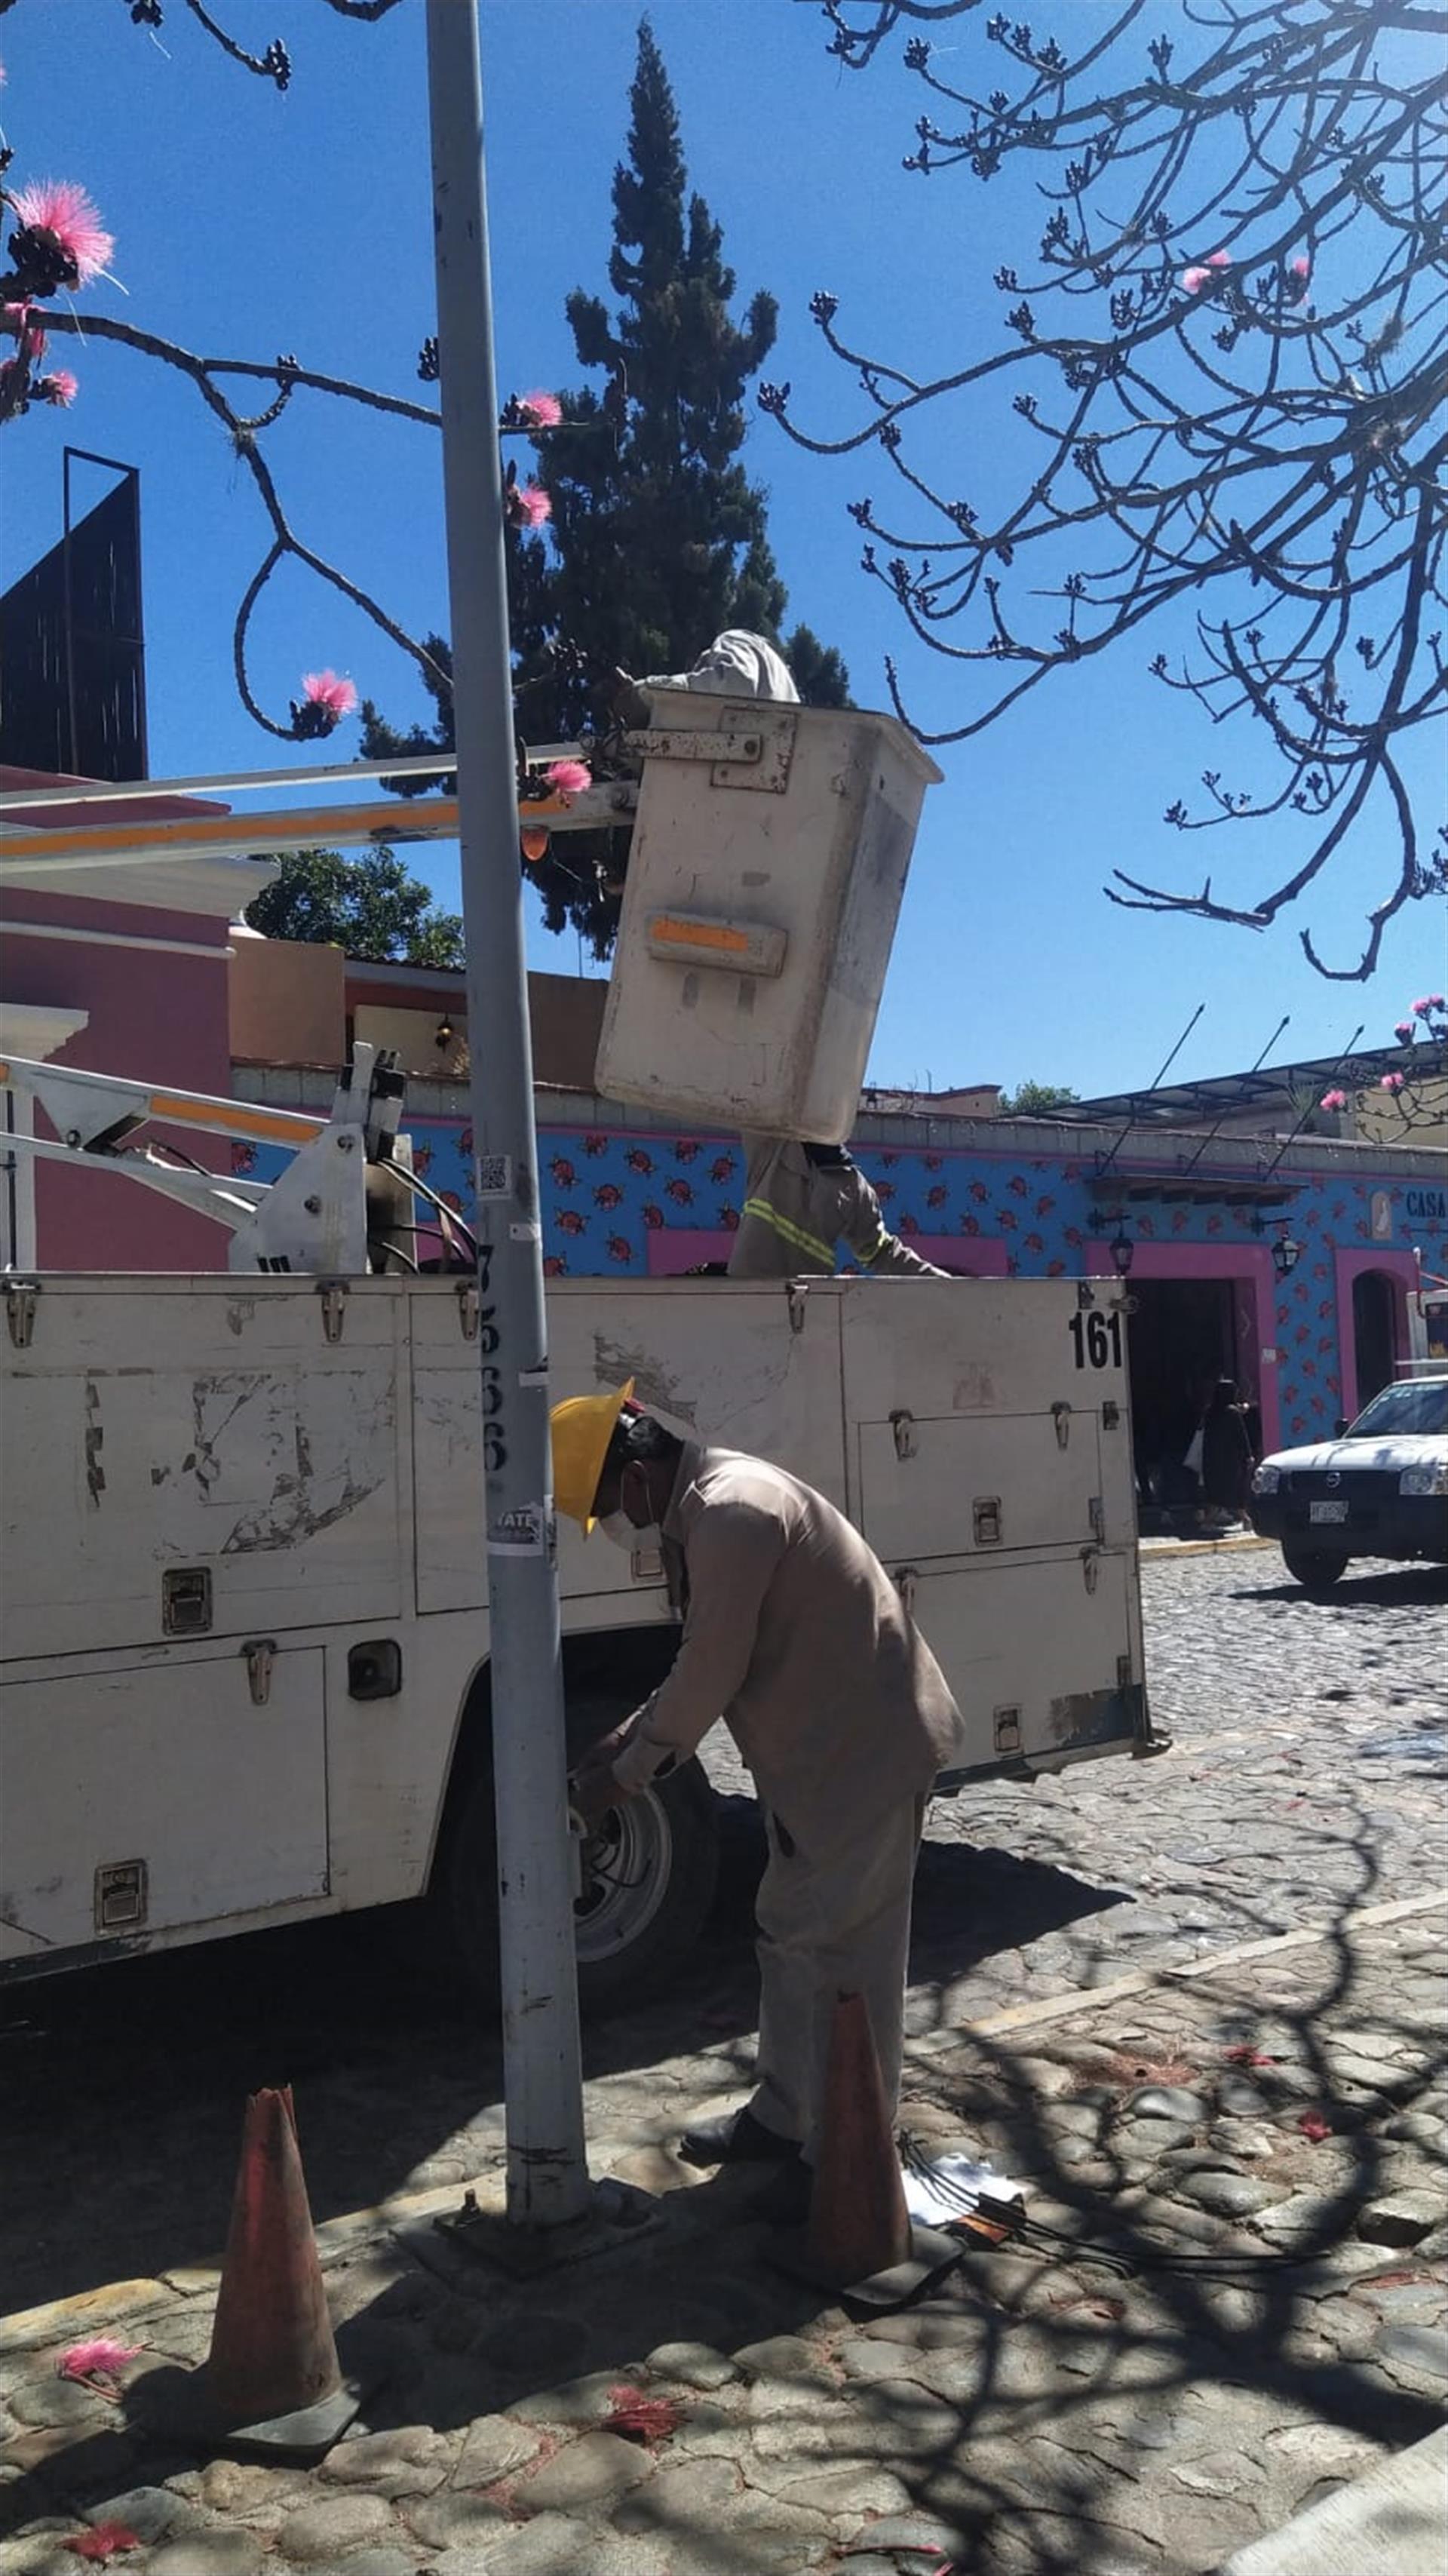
{"points": [[493, 1176]]}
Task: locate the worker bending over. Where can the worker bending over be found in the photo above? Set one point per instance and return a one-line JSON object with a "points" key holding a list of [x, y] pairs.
{"points": [[796, 1637]]}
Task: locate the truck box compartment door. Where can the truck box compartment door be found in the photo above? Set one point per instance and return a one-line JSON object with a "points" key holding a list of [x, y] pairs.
{"points": [[160, 1794], [203, 1429], [979, 1481], [1039, 1652]]}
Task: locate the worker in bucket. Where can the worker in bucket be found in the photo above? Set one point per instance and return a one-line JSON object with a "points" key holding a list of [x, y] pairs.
{"points": [[800, 1203], [736, 665], [796, 1637], [800, 1200]]}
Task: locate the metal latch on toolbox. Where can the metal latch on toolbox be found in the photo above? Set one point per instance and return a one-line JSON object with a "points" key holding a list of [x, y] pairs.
{"points": [[753, 748]]}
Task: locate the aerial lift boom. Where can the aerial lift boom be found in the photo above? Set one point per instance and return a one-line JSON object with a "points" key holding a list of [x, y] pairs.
{"points": [[342, 1197]]}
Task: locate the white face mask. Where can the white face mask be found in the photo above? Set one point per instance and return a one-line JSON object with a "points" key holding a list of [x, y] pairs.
{"points": [[626, 1533]]}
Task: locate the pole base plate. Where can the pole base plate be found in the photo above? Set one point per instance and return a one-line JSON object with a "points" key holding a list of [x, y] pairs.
{"points": [[618, 2214]]}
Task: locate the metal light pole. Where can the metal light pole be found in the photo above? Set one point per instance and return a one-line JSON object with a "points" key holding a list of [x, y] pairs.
{"points": [[547, 2171]]}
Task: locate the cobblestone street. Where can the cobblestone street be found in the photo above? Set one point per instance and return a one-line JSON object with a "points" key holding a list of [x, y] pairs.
{"points": [[1310, 1745], [1195, 2004]]}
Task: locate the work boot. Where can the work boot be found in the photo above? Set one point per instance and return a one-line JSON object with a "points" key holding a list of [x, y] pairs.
{"points": [[736, 2139]]}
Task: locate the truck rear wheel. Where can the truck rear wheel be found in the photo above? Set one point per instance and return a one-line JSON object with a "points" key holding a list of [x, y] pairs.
{"points": [[648, 1880], [1315, 1568]]}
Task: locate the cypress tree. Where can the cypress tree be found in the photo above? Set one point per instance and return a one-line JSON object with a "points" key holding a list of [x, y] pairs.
{"points": [[658, 539]]}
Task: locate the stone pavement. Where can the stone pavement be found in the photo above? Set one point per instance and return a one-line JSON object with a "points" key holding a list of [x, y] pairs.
{"points": [[1246, 2166]]}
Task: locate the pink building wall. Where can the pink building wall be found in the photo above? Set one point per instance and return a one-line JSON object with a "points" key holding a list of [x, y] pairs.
{"points": [[154, 986], [1400, 1269]]}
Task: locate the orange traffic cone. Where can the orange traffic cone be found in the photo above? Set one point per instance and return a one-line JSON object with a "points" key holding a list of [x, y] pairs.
{"points": [[272, 2384], [858, 2221]]}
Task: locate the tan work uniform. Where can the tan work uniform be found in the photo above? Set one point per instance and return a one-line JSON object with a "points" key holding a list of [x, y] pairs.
{"points": [[796, 1211], [795, 1635]]}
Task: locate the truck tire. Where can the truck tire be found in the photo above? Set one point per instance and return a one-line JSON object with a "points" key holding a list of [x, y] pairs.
{"points": [[649, 1876], [1315, 1568]]}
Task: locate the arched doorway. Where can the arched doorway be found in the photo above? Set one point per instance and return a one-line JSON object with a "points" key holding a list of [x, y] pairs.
{"points": [[1374, 1332]]}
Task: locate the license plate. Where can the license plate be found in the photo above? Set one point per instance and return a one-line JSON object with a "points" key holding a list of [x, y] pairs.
{"points": [[1327, 1511]]}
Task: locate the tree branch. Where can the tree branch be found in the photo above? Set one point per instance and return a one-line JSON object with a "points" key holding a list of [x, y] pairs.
{"points": [[1248, 225]]}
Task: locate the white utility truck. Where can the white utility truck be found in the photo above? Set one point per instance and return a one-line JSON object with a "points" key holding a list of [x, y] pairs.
{"points": [[244, 1674]]}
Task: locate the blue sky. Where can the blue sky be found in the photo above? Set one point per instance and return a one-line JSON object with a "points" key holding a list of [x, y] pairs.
{"points": [[248, 222]]}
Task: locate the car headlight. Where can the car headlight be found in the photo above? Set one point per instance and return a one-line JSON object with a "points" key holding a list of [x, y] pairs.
{"points": [[1266, 1480], [1424, 1480]]}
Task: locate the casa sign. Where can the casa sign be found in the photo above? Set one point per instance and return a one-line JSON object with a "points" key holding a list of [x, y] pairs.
{"points": [[1427, 1207]]}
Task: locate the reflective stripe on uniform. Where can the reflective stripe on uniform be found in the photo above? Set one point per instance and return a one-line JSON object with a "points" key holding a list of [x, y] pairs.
{"points": [[791, 1234]]}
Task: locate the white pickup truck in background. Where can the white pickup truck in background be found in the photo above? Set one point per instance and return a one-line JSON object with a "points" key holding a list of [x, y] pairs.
{"points": [[244, 1640]]}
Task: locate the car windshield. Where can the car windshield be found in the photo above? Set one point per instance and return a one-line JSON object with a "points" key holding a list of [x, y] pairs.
{"points": [[1411, 1407]]}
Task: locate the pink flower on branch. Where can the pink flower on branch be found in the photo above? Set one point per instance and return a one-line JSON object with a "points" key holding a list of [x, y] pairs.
{"points": [[1333, 1100], [325, 700], [1194, 279], [61, 208], [528, 505], [1403, 1030], [59, 387], [1429, 1002], [1391, 1082], [324, 689], [538, 410], [569, 777], [334, 696]]}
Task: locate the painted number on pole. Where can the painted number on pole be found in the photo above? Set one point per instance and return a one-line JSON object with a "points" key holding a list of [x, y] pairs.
{"points": [[495, 1447], [1097, 1338]]}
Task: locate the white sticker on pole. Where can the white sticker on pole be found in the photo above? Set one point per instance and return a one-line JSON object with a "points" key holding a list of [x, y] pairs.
{"points": [[528, 1529], [493, 1176], [525, 1233]]}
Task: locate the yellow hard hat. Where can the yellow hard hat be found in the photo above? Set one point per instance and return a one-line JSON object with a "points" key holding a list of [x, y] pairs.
{"points": [[582, 1428]]}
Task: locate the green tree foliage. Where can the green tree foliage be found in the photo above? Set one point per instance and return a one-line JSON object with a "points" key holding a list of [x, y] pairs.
{"points": [[369, 906], [1033, 1099], [658, 538]]}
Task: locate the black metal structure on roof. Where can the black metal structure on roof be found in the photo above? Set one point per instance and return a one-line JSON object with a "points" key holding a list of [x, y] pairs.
{"points": [[1184, 1104]]}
